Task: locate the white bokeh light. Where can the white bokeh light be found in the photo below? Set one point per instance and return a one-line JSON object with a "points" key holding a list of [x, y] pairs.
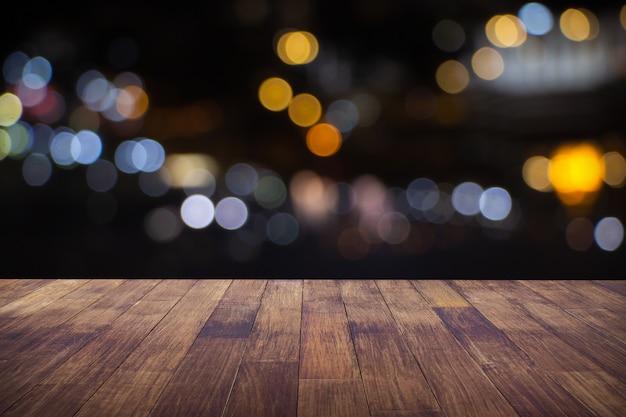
{"points": [[197, 211], [231, 213], [609, 233]]}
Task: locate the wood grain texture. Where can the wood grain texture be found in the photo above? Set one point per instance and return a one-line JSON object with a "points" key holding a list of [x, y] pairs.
{"points": [[392, 377], [309, 348]]}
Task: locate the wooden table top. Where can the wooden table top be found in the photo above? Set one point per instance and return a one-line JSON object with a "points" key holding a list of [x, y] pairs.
{"points": [[312, 348]]}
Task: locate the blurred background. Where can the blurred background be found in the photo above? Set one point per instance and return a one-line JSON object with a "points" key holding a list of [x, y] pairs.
{"points": [[301, 138]]}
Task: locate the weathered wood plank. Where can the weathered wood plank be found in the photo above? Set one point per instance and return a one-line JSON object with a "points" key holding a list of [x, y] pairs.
{"points": [[332, 398], [302, 348], [618, 285], [327, 351], [70, 385], [590, 303], [547, 350], [214, 357], [391, 376], [275, 336], [264, 388], [459, 384], [40, 357], [16, 288], [267, 381], [573, 331], [529, 390], [144, 374], [40, 298]]}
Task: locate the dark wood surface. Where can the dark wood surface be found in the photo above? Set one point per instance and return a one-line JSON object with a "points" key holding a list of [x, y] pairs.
{"points": [[312, 348]]}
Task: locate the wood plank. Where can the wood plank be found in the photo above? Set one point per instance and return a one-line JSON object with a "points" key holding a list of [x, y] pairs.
{"points": [[617, 285], [40, 357], [12, 288], [332, 398], [135, 386], [215, 356], [272, 355], [14, 334], [529, 352], [70, 385], [598, 307], [107, 309], [558, 359], [40, 298], [574, 332], [326, 351], [264, 388], [459, 384], [391, 376], [599, 294], [275, 336]]}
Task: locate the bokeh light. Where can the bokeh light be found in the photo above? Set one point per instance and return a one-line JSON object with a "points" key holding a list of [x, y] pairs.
{"points": [[487, 63], [452, 76], [304, 110], [579, 234], [275, 94], [537, 18], [231, 213], [495, 203], [282, 229], [536, 173], [576, 172], [241, 179], [270, 191], [323, 139], [579, 24], [609, 233], [615, 169], [197, 211], [297, 47], [36, 169], [506, 31], [448, 35], [10, 109], [466, 198], [163, 224]]}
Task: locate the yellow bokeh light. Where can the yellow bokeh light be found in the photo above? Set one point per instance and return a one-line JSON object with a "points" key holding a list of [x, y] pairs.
{"points": [[297, 47], [452, 76], [622, 16], [615, 169], [323, 139], [275, 94], [304, 110], [10, 109], [5, 144], [576, 172], [575, 25], [487, 63], [535, 172], [180, 165], [506, 31]]}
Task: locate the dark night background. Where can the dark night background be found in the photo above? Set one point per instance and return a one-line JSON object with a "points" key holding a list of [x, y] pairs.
{"points": [[218, 52]]}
